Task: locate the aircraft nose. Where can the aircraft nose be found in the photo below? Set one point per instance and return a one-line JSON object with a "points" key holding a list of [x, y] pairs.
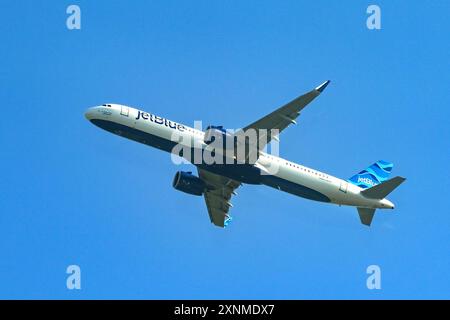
{"points": [[89, 113]]}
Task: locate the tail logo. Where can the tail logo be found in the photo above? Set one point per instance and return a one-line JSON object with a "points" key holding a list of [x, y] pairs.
{"points": [[366, 181], [373, 175]]}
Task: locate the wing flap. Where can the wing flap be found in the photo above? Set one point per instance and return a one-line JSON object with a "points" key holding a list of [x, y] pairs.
{"points": [[218, 196]]}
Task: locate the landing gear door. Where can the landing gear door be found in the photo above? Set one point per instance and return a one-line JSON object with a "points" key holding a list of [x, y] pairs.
{"points": [[343, 187], [124, 111]]}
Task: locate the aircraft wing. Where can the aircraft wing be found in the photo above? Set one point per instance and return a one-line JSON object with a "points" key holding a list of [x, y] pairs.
{"points": [[218, 195], [284, 116]]}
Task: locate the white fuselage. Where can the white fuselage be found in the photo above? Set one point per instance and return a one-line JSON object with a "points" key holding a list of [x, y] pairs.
{"points": [[288, 176]]}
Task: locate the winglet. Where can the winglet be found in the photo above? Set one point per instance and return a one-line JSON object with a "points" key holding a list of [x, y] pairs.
{"points": [[227, 221], [323, 86]]}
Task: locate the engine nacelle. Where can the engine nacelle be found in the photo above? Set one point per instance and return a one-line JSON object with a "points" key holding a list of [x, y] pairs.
{"points": [[213, 132], [188, 183]]}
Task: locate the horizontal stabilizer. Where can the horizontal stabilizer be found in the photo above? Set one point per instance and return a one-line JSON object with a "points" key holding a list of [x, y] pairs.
{"points": [[366, 215], [380, 191]]}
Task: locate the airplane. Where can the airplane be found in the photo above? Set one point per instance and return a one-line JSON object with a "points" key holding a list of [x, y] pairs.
{"points": [[217, 182]]}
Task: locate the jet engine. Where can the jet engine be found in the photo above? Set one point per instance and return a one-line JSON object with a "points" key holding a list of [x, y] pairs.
{"points": [[213, 132], [188, 183]]}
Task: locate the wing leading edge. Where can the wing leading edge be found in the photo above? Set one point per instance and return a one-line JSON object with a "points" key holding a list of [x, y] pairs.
{"points": [[285, 115]]}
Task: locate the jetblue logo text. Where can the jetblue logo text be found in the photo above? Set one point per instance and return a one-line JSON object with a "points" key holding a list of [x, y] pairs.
{"points": [[159, 120], [366, 181]]}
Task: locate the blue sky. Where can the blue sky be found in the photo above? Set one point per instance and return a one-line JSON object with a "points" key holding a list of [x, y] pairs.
{"points": [[71, 193]]}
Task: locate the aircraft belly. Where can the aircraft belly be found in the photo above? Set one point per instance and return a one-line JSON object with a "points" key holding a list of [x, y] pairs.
{"points": [[294, 188], [135, 134], [239, 172]]}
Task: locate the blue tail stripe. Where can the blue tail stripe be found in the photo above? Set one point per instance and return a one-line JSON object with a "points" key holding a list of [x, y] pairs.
{"points": [[385, 165], [376, 171], [373, 175]]}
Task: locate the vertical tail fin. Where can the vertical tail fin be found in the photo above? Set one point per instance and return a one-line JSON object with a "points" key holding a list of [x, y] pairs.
{"points": [[373, 175], [366, 215]]}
